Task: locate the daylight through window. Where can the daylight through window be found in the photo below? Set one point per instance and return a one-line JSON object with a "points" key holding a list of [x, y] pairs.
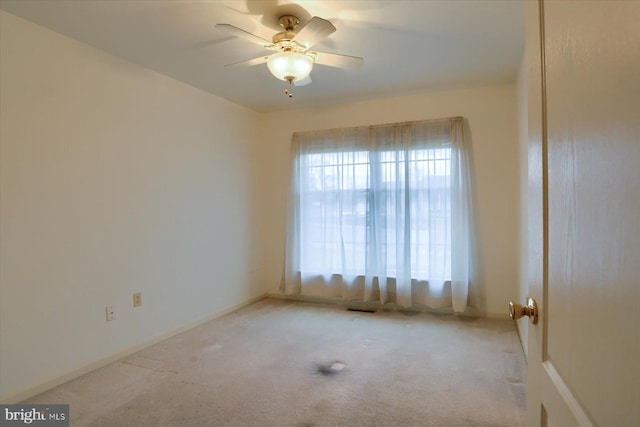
{"points": [[373, 213]]}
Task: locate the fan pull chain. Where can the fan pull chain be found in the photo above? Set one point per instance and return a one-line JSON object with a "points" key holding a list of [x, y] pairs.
{"points": [[287, 89]]}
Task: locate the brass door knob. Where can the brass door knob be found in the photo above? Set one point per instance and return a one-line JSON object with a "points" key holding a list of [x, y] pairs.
{"points": [[530, 310]]}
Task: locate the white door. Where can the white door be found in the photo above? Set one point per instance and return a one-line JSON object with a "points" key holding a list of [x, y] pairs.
{"points": [[584, 219]]}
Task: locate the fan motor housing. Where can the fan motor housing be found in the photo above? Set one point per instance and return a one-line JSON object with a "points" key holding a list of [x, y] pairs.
{"points": [[284, 36], [289, 22]]}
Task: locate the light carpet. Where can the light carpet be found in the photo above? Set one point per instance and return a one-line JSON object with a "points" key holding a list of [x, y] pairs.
{"points": [[284, 363]]}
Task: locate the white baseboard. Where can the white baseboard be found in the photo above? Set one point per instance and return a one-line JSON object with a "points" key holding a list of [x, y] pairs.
{"points": [[24, 394], [470, 312]]}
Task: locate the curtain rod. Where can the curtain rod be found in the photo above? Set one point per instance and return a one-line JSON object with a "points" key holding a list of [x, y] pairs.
{"points": [[413, 122], [410, 122]]}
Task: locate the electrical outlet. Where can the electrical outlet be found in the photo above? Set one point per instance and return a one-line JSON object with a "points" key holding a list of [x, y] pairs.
{"points": [[111, 313], [137, 299]]}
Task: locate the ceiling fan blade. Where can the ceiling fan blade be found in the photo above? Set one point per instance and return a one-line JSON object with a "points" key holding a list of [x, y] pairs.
{"points": [[339, 61], [239, 32], [302, 82], [249, 62], [313, 31]]}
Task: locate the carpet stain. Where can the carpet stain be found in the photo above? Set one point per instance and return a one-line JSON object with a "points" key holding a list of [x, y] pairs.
{"points": [[331, 368], [511, 380]]}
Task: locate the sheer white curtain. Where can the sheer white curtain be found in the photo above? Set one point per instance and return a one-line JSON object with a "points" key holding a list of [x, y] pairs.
{"points": [[381, 213]]}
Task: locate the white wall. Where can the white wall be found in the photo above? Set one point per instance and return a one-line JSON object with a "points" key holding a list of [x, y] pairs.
{"points": [[493, 121], [114, 179], [523, 137]]}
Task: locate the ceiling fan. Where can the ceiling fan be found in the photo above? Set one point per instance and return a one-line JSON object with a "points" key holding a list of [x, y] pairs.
{"points": [[293, 60]]}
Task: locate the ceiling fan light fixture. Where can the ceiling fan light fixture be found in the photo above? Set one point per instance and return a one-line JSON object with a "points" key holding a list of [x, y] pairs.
{"points": [[290, 65]]}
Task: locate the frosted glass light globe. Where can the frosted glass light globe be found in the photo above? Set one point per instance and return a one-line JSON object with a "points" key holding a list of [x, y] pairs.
{"points": [[290, 65]]}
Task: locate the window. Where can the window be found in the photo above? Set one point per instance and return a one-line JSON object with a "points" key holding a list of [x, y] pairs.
{"points": [[371, 213], [336, 202]]}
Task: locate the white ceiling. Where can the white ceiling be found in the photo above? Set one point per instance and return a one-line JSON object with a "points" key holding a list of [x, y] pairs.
{"points": [[408, 46]]}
